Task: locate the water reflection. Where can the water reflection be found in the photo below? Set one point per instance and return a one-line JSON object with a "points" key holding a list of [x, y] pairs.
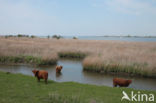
{"points": [[73, 71]]}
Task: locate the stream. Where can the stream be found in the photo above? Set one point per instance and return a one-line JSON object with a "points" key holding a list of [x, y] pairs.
{"points": [[73, 71]]}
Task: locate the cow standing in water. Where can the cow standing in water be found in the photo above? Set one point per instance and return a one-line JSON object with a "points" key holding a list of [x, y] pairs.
{"points": [[58, 69], [121, 82]]}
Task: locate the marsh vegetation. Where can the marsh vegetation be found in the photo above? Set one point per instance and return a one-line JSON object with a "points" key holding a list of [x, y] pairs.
{"points": [[135, 58]]}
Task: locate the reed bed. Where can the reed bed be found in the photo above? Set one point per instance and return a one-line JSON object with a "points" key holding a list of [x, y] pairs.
{"points": [[99, 55], [70, 54], [27, 60]]}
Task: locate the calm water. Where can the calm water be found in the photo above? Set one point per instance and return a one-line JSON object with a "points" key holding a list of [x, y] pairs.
{"points": [[137, 39], [72, 71]]}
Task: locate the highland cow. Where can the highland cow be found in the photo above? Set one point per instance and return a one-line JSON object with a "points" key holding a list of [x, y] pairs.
{"points": [[58, 69], [41, 74], [121, 82]]}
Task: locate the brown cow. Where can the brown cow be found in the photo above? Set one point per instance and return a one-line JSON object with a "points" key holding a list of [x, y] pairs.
{"points": [[58, 69], [41, 74], [121, 82]]}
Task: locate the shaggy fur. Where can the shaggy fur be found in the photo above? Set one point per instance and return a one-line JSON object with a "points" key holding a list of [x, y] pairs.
{"points": [[41, 74], [121, 82], [58, 69]]}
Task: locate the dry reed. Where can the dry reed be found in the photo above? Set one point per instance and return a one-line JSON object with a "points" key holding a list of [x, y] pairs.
{"points": [[131, 57]]}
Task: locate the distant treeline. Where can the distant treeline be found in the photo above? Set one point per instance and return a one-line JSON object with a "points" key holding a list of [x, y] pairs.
{"points": [[20, 35], [59, 37], [33, 36]]}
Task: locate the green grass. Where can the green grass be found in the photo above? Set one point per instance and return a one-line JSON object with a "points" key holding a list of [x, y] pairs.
{"points": [[18, 88], [27, 60], [78, 55]]}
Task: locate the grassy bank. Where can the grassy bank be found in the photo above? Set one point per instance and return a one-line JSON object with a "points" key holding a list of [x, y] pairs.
{"points": [[27, 60], [137, 58], [18, 88]]}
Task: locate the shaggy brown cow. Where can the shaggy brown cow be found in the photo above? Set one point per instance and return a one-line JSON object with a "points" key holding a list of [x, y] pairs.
{"points": [[41, 74], [58, 69], [121, 82]]}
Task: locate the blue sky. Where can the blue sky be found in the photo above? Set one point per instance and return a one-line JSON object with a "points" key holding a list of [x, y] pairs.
{"points": [[78, 17]]}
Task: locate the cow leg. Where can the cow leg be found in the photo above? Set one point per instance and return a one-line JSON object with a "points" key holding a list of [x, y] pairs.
{"points": [[38, 79], [114, 85], [45, 80]]}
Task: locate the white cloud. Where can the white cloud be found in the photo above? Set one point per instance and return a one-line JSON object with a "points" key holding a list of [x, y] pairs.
{"points": [[22, 17], [127, 6], [132, 6], [52, 17]]}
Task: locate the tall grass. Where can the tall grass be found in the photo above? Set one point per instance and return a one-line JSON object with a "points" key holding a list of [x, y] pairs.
{"points": [[27, 60], [70, 54], [99, 55], [118, 67], [56, 98]]}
